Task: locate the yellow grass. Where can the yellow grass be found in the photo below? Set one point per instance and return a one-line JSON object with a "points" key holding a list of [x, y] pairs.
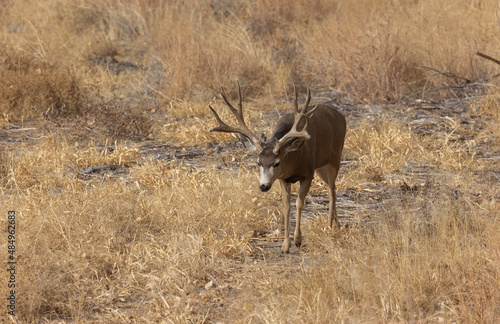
{"points": [[165, 51], [172, 244], [170, 241]]}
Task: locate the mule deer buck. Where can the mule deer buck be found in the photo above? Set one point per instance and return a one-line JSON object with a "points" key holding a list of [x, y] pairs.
{"points": [[303, 142]]}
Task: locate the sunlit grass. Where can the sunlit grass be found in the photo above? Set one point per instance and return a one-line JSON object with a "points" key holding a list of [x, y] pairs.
{"points": [[176, 241]]}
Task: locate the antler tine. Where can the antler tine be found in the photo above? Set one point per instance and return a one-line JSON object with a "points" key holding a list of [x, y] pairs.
{"points": [[310, 112], [308, 100], [240, 100], [238, 113], [294, 133], [295, 103], [222, 127], [228, 104]]}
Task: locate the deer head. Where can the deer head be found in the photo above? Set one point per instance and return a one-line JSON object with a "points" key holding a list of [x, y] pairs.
{"points": [[272, 152]]}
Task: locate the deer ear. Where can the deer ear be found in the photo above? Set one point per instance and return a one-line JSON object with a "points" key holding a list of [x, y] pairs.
{"points": [[247, 142], [292, 144]]}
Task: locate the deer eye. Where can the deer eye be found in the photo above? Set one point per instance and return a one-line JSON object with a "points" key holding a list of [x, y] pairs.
{"points": [[276, 164]]}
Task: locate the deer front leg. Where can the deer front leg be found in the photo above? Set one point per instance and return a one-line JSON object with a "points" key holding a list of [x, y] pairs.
{"points": [[303, 190], [286, 194]]}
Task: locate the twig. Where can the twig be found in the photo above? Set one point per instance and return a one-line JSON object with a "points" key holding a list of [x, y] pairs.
{"points": [[453, 92], [488, 57], [103, 167], [425, 85], [498, 19], [446, 74], [12, 130]]}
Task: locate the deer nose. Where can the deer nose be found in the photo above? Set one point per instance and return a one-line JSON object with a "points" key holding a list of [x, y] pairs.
{"points": [[264, 187]]}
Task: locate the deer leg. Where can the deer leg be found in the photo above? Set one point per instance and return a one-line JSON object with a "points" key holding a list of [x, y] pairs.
{"points": [[326, 173], [323, 174], [286, 189], [303, 190], [332, 171]]}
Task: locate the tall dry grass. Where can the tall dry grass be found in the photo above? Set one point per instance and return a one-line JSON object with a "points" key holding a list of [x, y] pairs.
{"points": [[172, 243], [175, 242], [146, 53], [414, 266], [84, 246]]}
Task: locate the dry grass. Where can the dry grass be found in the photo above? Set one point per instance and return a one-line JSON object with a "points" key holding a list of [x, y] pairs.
{"points": [[173, 243], [182, 242], [145, 53], [384, 147]]}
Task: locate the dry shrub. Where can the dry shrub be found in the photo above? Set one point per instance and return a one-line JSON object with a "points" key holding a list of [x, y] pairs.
{"points": [[146, 52], [80, 59], [379, 51], [112, 118], [39, 169], [371, 50], [107, 154], [380, 147], [32, 88], [188, 132], [248, 41], [199, 54]]}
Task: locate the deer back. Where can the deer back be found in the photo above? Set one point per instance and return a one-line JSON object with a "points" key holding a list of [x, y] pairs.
{"points": [[327, 130]]}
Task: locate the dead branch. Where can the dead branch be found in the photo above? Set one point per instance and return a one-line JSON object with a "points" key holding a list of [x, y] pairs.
{"points": [[494, 60], [103, 167], [446, 74]]}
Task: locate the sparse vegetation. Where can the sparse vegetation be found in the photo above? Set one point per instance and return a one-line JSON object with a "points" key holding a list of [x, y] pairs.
{"points": [[181, 233]]}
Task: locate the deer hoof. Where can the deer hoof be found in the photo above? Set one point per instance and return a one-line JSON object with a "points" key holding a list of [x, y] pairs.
{"points": [[286, 247]]}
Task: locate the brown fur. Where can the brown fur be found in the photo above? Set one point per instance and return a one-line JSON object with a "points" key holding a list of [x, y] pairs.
{"points": [[303, 142], [320, 153]]}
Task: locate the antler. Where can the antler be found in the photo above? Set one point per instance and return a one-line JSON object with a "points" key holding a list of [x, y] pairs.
{"points": [[297, 117], [238, 113]]}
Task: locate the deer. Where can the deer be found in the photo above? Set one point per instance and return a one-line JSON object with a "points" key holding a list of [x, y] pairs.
{"points": [[304, 142]]}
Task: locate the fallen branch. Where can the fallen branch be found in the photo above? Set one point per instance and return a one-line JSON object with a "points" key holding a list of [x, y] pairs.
{"points": [[103, 167]]}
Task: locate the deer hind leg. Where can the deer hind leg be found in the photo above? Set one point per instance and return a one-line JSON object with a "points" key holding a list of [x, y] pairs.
{"points": [[332, 170], [323, 174], [328, 174], [286, 194], [303, 190]]}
